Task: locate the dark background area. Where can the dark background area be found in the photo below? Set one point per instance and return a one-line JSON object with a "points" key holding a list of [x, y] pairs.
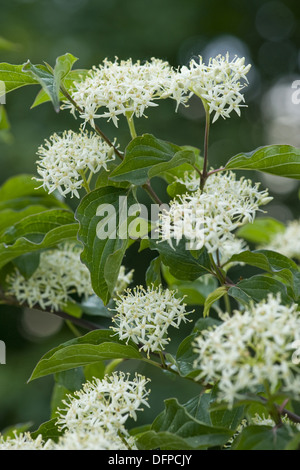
{"points": [[267, 34]]}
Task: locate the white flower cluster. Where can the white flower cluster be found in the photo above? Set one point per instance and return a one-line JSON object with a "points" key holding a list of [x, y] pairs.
{"points": [[121, 88], [144, 316], [208, 218], [218, 84], [59, 274], [104, 405], [94, 439], [251, 348], [262, 420], [288, 242], [22, 441], [123, 281], [65, 159], [94, 417], [128, 88]]}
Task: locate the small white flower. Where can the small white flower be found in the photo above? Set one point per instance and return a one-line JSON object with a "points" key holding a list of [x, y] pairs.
{"points": [[251, 348], [105, 404], [65, 159], [92, 439], [22, 441], [218, 84], [144, 316], [121, 88], [230, 248], [209, 217], [287, 242], [59, 274], [123, 281]]}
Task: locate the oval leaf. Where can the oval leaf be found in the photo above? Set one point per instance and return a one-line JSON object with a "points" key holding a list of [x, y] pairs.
{"points": [[281, 160]]}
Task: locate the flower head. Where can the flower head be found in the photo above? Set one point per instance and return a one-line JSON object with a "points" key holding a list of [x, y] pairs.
{"points": [[123, 281], [218, 84], [287, 242], [209, 217], [144, 316], [251, 348], [105, 404], [64, 160], [59, 275], [22, 441], [121, 88], [92, 439]]}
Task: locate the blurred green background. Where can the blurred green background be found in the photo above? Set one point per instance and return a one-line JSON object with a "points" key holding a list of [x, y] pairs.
{"points": [[266, 33]]}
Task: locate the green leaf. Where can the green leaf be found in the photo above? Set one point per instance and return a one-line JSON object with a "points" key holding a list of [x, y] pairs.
{"points": [[205, 323], [59, 393], [196, 291], [153, 274], [212, 298], [281, 160], [176, 189], [171, 175], [103, 254], [263, 438], [72, 379], [176, 429], [48, 430], [57, 235], [46, 79], [63, 66], [72, 308], [200, 408], [146, 157], [88, 349], [271, 262], [73, 76], [20, 186], [185, 357], [227, 418], [14, 77], [95, 306], [27, 264], [103, 177], [95, 370], [35, 226], [66, 383], [61, 71], [182, 264], [258, 287], [19, 192], [261, 231], [9, 217], [239, 295]]}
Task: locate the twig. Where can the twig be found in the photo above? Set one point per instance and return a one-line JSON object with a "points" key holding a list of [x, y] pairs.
{"points": [[77, 321], [97, 128]]}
